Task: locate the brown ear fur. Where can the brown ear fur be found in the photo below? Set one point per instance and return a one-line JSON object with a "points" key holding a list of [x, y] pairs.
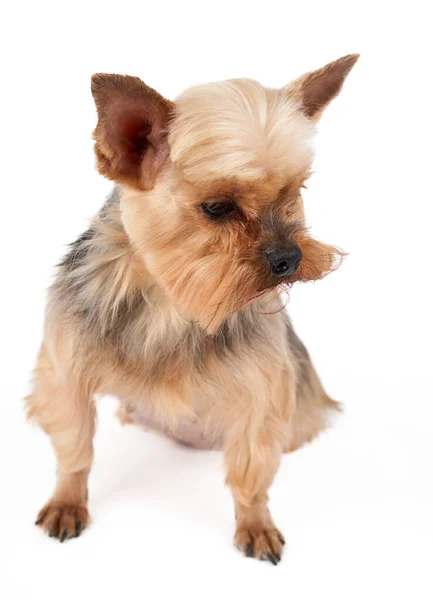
{"points": [[131, 134], [315, 90]]}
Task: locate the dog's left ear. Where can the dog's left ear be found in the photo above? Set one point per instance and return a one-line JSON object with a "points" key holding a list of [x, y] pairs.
{"points": [[131, 134], [315, 90]]}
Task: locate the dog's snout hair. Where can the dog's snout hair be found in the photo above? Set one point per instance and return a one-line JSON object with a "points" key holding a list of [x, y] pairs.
{"points": [[278, 230]]}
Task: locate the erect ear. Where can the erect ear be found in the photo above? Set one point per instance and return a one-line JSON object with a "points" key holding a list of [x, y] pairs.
{"points": [[315, 90], [131, 134]]}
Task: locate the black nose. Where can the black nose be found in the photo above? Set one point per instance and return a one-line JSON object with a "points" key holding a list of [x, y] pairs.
{"points": [[284, 261]]}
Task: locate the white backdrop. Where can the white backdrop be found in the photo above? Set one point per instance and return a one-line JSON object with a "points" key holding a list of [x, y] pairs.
{"points": [[356, 505]]}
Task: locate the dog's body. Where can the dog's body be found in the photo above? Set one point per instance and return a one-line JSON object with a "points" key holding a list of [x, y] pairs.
{"points": [[157, 340], [170, 301]]}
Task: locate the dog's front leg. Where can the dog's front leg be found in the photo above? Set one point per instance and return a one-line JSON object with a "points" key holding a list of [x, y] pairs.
{"points": [[65, 410], [252, 455]]}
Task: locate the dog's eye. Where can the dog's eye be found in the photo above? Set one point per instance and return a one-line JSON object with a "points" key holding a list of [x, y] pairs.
{"points": [[218, 210]]}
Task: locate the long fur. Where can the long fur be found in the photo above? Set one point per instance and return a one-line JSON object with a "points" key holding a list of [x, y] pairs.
{"points": [[178, 315]]}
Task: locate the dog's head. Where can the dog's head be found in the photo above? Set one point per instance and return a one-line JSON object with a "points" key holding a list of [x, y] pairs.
{"points": [[211, 184]]}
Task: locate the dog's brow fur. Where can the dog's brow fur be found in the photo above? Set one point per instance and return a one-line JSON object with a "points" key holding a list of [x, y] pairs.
{"points": [[239, 129], [178, 314]]}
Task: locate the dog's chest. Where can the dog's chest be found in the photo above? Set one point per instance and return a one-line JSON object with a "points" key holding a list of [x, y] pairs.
{"points": [[165, 346], [175, 385], [182, 382]]}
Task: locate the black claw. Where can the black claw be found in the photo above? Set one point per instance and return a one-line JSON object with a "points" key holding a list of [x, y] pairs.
{"points": [[277, 556], [63, 536], [78, 528], [249, 550], [272, 558], [282, 540], [38, 521], [53, 533]]}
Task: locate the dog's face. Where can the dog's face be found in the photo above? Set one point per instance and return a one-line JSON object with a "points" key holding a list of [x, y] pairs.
{"points": [[212, 184]]}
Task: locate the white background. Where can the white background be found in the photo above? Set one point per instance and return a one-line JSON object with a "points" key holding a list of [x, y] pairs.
{"points": [[355, 506]]}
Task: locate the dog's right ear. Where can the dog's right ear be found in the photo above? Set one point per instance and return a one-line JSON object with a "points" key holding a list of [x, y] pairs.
{"points": [[316, 89], [131, 134]]}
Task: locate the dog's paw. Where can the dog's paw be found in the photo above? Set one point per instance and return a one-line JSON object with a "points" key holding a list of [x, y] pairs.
{"points": [[63, 521], [259, 540]]}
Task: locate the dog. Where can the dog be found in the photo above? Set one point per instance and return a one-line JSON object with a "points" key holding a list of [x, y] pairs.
{"points": [[171, 299]]}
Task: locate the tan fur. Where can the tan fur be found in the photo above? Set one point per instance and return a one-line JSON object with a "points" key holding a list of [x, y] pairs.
{"points": [[240, 129], [178, 314]]}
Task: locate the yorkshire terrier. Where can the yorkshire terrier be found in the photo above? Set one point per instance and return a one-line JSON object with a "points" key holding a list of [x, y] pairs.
{"points": [[171, 299]]}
